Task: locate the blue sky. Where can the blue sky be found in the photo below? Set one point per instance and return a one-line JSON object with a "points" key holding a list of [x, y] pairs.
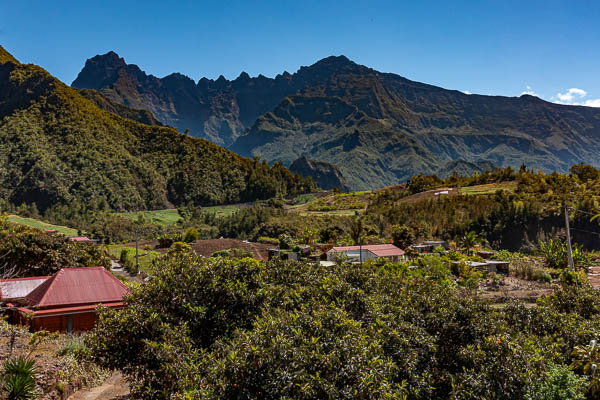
{"points": [[550, 48]]}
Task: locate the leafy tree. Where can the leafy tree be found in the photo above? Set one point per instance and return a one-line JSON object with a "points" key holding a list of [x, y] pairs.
{"points": [[402, 236], [30, 252]]}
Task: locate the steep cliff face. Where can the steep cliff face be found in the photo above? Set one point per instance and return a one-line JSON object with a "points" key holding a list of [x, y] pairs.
{"points": [[325, 175], [377, 128]]}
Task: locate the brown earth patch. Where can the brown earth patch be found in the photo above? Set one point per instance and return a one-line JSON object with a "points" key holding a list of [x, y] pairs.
{"points": [[430, 194], [207, 247], [511, 287]]}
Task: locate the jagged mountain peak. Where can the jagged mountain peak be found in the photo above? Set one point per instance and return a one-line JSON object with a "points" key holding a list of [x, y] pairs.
{"points": [[100, 71], [333, 64], [244, 77], [110, 58], [340, 60]]}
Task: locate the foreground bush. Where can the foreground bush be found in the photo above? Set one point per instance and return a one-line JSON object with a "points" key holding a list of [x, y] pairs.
{"points": [[31, 252], [227, 329]]}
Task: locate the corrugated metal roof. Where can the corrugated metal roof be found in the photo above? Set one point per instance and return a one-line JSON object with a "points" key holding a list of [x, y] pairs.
{"points": [[69, 310], [380, 250], [388, 252], [20, 287], [71, 286], [80, 239]]}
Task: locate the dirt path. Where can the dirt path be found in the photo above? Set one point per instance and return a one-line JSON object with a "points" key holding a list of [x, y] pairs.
{"points": [[113, 388]]}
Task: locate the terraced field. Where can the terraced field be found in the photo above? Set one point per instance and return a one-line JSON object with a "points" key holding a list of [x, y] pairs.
{"points": [[170, 216]]}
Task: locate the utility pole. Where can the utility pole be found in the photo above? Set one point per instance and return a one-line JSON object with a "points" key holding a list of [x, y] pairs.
{"points": [[569, 250], [360, 251], [137, 265]]}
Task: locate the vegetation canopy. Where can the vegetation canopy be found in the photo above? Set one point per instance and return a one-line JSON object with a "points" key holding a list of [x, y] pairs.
{"points": [[238, 328]]}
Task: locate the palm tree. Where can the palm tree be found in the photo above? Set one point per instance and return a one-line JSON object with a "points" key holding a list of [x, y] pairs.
{"points": [[469, 240], [356, 230]]}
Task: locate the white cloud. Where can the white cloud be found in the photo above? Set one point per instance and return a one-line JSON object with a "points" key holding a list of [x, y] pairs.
{"points": [[575, 97], [571, 94], [592, 103], [530, 91], [466, 92]]}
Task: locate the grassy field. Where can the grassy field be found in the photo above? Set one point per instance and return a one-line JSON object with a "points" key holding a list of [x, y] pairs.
{"points": [[158, 217], [301, 200], [34, 223], [489, 188], [331, 212], [170, 216], [145, 258], [222, 211]]}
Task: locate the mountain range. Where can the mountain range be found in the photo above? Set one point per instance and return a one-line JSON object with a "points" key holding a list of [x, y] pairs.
{"points": [[377, 128], [60, 147]]}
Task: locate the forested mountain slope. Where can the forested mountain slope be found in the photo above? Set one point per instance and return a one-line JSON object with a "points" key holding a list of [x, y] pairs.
{"points": [[59, 149]]}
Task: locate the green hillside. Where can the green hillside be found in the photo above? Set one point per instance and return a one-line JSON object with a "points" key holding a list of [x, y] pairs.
{"points": [[37, 224], [61, 151]]}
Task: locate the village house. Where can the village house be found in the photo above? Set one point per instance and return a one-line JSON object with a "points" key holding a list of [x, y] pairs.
{"points": [[81, 239], [65, 302], [429, 245], [488, 265], [362, 253]]}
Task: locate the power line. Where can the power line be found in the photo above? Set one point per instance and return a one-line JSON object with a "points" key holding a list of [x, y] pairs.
{"points": [[581, 211], [583, 230]]}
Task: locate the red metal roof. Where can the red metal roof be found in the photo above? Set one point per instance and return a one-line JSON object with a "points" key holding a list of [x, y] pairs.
{"points": [[71, 286], [69, 310], [380, 250], [80, 239], [20, 287]]}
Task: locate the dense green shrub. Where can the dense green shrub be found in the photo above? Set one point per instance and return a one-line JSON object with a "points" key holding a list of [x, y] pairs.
{"points": [[191, 235], [167, 240], [559, 383], [235, 253], [30, 252], [227, 328]]}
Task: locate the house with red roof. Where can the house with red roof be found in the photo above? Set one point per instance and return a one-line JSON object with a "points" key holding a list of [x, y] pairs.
{"points": [[68, 300], [363, 253], [81, 239]]}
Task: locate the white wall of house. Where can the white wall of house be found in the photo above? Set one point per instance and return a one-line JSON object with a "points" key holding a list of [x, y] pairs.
{"points": [[354, 256]]}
